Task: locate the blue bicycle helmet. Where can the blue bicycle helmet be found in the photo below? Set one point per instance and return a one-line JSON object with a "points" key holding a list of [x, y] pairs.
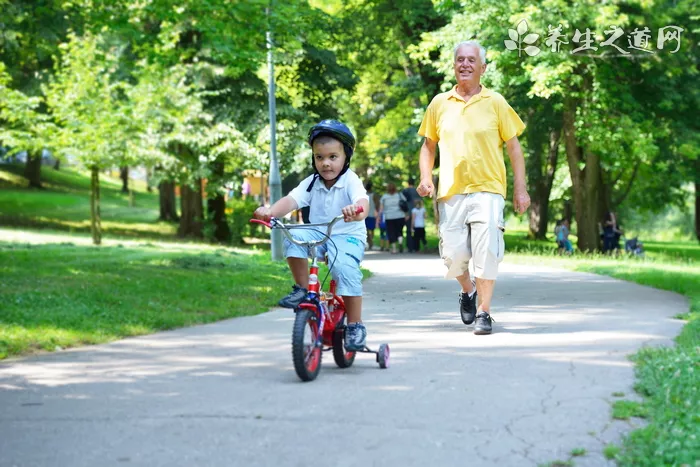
{"points": [[335, 130]]}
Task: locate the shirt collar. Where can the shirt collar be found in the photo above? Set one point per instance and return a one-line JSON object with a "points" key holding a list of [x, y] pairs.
{"points": [[340, 183], [484, 93]]}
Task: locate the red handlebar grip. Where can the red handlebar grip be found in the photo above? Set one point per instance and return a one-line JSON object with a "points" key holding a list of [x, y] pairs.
{"points": [[258, 221]]}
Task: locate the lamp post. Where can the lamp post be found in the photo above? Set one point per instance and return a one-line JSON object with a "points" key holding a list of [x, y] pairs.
{"points": [[275, 180]]}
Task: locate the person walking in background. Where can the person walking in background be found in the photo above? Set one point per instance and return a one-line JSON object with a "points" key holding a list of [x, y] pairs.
{"points": [[471, 124], [411, 196], [383, 238], [418, 225], [371, 219], [389, 206], [611, 234]]}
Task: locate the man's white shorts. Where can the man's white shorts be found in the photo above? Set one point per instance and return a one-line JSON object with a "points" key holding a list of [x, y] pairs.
{"points": [[471, 227]]}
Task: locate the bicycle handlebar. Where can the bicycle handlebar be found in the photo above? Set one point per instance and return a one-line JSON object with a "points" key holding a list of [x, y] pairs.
{"points": [[277, 224]]}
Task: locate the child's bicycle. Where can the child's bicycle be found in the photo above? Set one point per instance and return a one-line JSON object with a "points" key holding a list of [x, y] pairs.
{"points": [[319, 324]]}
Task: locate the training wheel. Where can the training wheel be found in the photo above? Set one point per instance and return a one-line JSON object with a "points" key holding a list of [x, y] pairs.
{"points": [[383, 356]]}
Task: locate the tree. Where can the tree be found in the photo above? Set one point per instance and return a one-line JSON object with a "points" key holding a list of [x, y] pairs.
{"points": [[29, 36], [25, 128], [91, 118]]}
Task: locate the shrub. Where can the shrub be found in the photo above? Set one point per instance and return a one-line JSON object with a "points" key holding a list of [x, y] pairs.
{"points": [[239, 211]]}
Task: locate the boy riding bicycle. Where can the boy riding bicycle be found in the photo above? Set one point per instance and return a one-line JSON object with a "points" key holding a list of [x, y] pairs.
{"points": [[333, 188]]}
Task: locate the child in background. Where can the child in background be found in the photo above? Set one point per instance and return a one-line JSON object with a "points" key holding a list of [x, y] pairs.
{"points": [[563, 237], [418, 224]]}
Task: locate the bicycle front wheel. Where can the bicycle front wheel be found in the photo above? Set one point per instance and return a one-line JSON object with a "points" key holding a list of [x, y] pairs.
{"points": [[305, 354]]}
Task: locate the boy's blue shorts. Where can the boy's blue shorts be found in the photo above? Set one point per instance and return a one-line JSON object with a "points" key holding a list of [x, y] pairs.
{"points": [[347, 251]]}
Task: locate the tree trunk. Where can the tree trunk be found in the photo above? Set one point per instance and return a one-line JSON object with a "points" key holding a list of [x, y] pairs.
{"points": [[192, 210], [539, 208], [124, 175], [32, 170], [216, 207], [95, 220], [57, 164], [586, 183], [149, 175], [168, 211]]}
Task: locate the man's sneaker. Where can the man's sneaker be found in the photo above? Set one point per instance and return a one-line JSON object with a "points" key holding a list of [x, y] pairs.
{"points": [[483, 323], [294, 298], [467, 307], [355, 336]]}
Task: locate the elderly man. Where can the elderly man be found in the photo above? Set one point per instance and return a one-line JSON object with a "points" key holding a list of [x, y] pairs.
{"points": [[470, 124]]}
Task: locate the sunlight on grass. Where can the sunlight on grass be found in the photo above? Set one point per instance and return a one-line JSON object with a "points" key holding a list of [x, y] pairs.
{"points": [[9, 179]]}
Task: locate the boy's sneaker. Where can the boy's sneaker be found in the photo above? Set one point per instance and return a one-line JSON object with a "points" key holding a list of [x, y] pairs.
{"points": [[355, 336], [483, 323], [467, 307], [294, 298]]}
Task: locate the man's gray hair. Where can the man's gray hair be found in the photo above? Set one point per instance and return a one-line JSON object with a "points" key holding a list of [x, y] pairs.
{"points": [[482, 50]]}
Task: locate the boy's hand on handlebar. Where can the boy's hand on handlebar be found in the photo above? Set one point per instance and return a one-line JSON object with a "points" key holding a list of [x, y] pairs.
{"points": [[263, 213], [352, 212]]}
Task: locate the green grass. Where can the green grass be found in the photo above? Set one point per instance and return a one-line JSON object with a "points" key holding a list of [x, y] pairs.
{"points": [[87, 295], [611, 451], [578, 452], [64, 205], [624, 410]]}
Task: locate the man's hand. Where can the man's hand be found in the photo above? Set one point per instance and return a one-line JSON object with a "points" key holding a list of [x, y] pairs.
{"points": [[425, 188], [521, 200], [350, 213], [263, 213]]}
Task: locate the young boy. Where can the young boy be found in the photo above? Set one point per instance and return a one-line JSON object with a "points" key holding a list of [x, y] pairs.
{"points": [[332, 189], [418, 225]]}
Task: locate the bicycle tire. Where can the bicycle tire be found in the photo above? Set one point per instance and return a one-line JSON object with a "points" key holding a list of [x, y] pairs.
{"points": [[306, 357], [343, 357]]}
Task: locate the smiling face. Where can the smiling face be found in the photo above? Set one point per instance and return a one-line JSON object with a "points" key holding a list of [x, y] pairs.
{"points": [[468, 66], [329, 158]]}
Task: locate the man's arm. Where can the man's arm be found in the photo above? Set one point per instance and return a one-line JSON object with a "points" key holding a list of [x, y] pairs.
{"points": [[521, 200], [426, 163]]}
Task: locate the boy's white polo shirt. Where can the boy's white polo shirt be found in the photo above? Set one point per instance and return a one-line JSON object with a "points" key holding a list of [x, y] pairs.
{"points": [[325, 204]]}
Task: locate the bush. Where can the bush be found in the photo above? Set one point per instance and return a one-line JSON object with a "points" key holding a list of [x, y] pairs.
{"points": [[239, 212]]}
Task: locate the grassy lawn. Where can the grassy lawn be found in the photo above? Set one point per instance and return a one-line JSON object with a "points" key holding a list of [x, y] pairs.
{"points": [[87, 295], [64, 204]]}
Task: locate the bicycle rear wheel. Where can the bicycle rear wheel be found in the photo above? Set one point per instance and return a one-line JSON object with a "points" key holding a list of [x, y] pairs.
{"points": [[343, 357], [305, 355]]}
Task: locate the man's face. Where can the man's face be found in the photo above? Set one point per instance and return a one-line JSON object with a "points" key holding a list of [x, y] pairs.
{"points": [[329, 157], [468, 66]]}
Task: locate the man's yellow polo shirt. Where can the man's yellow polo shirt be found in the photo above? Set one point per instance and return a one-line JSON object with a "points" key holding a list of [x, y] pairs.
{"points": [[470, 137]]}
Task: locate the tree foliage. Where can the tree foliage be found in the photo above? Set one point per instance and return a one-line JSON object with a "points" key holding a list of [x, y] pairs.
{"points": [[182, 89]]}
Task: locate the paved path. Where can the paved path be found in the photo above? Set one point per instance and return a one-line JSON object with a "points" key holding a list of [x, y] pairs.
{"points": [[226, 394]]}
